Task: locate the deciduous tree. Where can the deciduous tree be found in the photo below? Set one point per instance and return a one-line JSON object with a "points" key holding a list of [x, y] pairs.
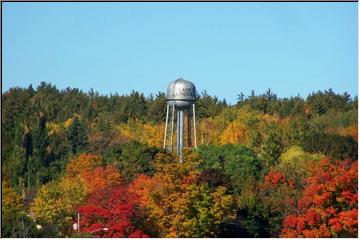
{"points": [[328, 207], [113, 210]]}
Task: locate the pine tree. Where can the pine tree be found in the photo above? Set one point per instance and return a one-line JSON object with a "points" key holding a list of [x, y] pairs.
{"points": [[77, 136], [272, 147], [17, 165], [33, 176], [41, 141], [28, 144]]}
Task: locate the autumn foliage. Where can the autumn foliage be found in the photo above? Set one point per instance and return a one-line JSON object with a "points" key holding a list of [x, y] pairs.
{"points": [[179, 205], [91, 170], [108, 213], [328, 206], [263, 167]]}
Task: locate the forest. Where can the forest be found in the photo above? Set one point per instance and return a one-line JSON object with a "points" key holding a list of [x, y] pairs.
{"points": [[82, 164]]}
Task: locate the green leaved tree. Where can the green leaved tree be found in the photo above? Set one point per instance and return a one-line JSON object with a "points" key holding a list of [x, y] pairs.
{"points": [[78, 136]]}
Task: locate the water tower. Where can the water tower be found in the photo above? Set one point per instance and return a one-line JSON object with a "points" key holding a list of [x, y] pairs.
{"points": [[180, 97]]}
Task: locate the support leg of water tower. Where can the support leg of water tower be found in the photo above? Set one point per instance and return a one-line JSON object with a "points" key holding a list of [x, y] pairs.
{"points": [[177, 131], [166, 122], [194, 125], [172, 128], [189, 127], [181, 134]]}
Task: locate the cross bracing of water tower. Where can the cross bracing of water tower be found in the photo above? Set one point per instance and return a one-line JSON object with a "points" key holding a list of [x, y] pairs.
{"points": [[181, 99]]}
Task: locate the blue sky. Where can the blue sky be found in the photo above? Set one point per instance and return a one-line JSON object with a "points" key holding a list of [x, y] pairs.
{"points": [[225, 48]]}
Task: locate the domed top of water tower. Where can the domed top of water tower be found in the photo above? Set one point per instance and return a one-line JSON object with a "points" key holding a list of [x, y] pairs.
{"points": [[181, 93]]}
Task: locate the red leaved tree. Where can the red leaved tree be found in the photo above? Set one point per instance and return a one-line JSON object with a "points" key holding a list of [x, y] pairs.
{"points": [[328, 206], [108, 213]]}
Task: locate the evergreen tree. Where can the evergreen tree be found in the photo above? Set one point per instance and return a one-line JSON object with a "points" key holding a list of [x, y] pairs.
{"points": [[41, 141], [156, 108], [28, 144], [35, 162], [240, 99], [17, 165], [78, 136], [272, 147], [35, 170]]}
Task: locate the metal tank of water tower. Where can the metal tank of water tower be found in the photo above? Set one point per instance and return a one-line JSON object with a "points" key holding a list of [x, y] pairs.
{"points": [[181, 99]]}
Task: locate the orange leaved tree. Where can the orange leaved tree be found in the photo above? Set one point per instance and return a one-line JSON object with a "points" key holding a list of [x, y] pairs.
{"points": [[91, 170], [328, 206]]}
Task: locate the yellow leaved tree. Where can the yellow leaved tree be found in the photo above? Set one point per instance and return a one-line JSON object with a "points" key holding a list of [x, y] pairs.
{"points": [[55, 203], [177, 204]]}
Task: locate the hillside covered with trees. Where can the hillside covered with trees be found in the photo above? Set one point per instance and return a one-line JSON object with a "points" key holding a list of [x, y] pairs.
{"points": [[265, 166]]}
